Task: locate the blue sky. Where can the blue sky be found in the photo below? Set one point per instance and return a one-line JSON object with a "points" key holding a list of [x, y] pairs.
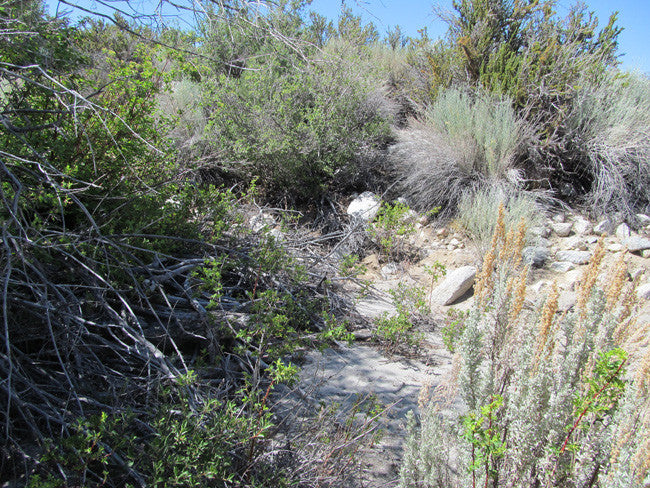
{"points": [[411, 15]]}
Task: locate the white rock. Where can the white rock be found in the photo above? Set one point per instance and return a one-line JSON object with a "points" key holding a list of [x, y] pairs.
{"points": [[615, 247], [559, 218], [643, 291], [455, 242], [591, 239], [603, 227], [573, 277], [623, 231], [566, 301], [645, 253], [562, 229], [262, 221], [575, 257], [643, 219], [582, 226], [562, 266], [539, 286], [576, 242], [403, 201], [389, 270], [636, 243], [454, 286], [364, 207], [636, 273], [540, 231]]}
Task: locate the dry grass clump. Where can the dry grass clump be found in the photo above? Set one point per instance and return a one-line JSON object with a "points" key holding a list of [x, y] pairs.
{"points": [[553, 398], [461, 141]]}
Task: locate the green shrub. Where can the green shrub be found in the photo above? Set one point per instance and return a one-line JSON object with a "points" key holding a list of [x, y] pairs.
{"points": [[303, 126], [399, 331]]}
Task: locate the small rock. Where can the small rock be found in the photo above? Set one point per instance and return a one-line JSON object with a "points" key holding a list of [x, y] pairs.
{"points": [[559, 218], [576, 242], [566, 301], [643, 291], [575, 257], [535, 255], [540, 231], [643, 219], [371, 262], [403, 201], [591, 239], [262, 221], [539, 286], [442, 232], [582, 226], [454, 286], [615, 247], [362, 335], [603, 227], [636, 243], [364, 207], [454, 242], [562, 229], [562, 266], [645, 253], [573, 277], [623, 231], [390, 269], [636, 273]]}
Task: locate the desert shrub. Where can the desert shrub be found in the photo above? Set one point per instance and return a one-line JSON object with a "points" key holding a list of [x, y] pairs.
{"points": [[478, 212], [536, 59], [610, 125], [463, 141], [548, 395]]}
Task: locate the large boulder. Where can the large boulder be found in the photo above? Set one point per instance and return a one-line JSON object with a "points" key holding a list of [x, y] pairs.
{"points": [[454, 286]]}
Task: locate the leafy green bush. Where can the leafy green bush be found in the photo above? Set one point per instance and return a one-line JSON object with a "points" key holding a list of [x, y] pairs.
{"points": [[302, 127], [390, 229], [399, 331]]}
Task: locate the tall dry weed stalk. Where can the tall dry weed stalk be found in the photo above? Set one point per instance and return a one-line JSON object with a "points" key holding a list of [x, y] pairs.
{"points": [[571, 416]]}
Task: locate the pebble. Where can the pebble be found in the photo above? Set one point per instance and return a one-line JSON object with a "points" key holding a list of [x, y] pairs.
{"points": [[562, 266]]}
